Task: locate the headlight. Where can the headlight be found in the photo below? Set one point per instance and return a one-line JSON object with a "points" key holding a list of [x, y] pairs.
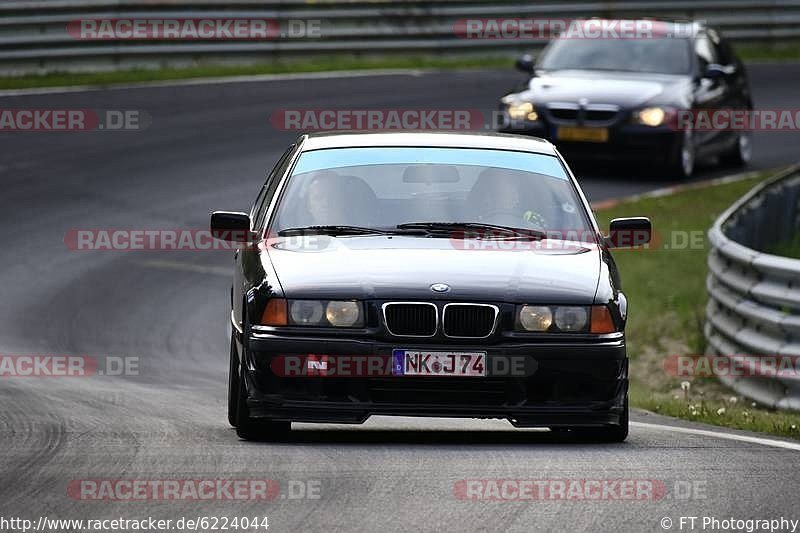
{"points": [[650, 116], [535, 318], [522, 111], [342, 314], [565, 319], [571, 318], [305, 312], [325, 313]]}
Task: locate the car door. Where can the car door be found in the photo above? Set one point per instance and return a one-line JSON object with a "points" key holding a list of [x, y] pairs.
{"points": [[738, 82], [248, 270], [712, 93], [737, 89]]}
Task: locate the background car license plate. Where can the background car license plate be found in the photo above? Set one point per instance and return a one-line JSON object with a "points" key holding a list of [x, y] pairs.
{"points": [[570, 133], [424, 363]]}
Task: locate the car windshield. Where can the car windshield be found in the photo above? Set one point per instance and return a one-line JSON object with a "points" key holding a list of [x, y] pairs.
{"points": [[350, 189], [657, 55]]}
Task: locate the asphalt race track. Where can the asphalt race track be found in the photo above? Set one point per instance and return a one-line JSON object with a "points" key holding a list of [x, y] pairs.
{"points": [[208, 147]]}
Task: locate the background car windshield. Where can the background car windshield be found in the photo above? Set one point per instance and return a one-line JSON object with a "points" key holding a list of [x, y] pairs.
{"points": [[664, 56], [383, 187]]}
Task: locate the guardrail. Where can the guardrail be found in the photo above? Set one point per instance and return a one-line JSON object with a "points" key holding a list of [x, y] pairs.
{"points": [[34, 36], [754, 297]]}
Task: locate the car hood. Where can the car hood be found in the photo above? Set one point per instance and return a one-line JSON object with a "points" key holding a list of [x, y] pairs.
{"points": [[381, 267], [623, 89]]}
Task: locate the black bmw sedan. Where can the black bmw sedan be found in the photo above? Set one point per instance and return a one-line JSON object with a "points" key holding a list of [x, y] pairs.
{"points": [[426, 274], [623, 98]]}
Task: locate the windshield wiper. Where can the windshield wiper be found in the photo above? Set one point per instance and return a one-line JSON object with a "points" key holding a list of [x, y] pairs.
{"points": [[482, 230], [332, 230]]}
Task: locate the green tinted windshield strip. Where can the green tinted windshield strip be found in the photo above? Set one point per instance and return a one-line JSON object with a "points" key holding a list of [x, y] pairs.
{"points": [[352, 157]]}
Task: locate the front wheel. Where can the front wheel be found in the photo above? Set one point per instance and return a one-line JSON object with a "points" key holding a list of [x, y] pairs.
{"points": [[608, 434], [616, 433], [233, 383], [739, 154], [682, 159], [249, 428]]}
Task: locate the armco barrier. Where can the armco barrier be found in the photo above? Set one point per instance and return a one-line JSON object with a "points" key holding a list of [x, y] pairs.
{"points": [[754, 297], [34, 35]]}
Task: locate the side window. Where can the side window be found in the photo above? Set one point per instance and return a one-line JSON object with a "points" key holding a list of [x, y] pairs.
{"points": [[725, 53], [258, 202], [705, 50], [269, 187]]}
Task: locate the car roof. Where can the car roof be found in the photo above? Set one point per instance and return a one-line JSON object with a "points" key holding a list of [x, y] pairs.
{"points": [[488, 140]]}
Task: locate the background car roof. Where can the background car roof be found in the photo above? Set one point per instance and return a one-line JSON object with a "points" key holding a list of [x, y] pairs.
{"points": [[495, 141]]}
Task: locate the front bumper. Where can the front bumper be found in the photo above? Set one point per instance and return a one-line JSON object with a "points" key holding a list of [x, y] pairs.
{"points": [[564, 383], [628, 142]]}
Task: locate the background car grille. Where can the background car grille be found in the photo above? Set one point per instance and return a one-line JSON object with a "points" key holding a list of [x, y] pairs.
{"points": [[410, 319], [564, 114], [599, 115], [587, 115], [468, 320]]}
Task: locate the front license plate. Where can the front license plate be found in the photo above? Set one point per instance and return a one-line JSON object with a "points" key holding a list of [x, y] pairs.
{"points": [[424, 363], [570, 133]]}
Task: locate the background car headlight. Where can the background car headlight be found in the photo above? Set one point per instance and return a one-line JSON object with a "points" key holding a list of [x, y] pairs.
{"points": [[522, 111], [651, 116], [535, 318], [342, 314], [571, 318], [306, 312]]}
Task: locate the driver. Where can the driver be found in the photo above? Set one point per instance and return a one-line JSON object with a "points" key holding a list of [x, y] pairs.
{"points": [[326, 200], [498, 196]]}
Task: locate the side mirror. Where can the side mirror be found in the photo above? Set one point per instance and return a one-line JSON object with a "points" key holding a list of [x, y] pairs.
{"points": [[716, 71], [629, 232], [525, 64], [231, 226]]}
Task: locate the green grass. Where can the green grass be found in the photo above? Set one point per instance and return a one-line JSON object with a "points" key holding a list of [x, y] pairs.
{"points": [[787, 50], [665, 286], [59, 79], [769, 51]]}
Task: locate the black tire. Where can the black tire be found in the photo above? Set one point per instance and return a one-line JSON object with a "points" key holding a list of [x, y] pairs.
{"points": [[233, 383], [616, 433], [681, 161], [605, 434], [253, 428], [740, 153]]}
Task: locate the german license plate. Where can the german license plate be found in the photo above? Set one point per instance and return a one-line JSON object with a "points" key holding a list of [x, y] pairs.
{"points": [[425, 363], [573, 133]]}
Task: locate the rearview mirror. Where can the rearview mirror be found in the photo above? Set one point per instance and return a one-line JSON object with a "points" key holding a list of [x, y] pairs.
{"points": [[526, 64], [231, 226], [427, 173], [629, 232]]}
